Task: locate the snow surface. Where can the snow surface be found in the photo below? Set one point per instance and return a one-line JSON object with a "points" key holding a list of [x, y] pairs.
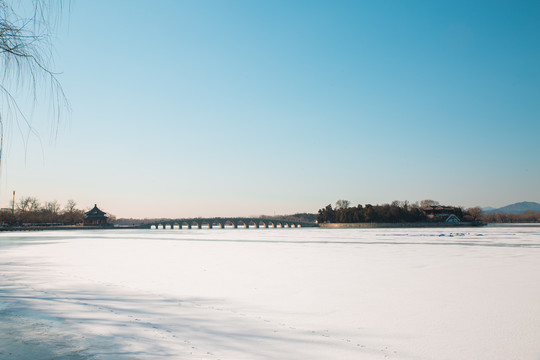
{"points": [[271, 294]]}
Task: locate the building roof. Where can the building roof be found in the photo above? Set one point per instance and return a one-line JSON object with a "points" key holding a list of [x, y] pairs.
{"points": [[438, 208], [95, 213]]}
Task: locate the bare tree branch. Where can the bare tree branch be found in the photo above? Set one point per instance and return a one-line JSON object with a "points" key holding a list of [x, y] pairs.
{"points": [[26, 61]]}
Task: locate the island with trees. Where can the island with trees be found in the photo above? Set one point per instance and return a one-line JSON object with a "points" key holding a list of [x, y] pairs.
{"points": [[397, 214]]}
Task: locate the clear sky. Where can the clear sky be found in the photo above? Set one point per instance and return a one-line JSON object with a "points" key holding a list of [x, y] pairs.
{"points": [[221, 108]]}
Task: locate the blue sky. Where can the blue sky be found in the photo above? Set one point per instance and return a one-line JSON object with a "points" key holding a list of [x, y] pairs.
{"points": [[218, 108]]}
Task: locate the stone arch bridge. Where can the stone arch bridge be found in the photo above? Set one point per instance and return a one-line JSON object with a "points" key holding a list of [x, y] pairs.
{"points": [[242, 222]]}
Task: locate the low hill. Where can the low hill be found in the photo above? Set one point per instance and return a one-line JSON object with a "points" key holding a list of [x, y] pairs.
{"points": [[517, 208]]}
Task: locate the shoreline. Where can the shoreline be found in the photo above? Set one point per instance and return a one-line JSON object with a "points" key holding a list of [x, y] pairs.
{"points": [[396, 225], [322, 226], [55, 228]]}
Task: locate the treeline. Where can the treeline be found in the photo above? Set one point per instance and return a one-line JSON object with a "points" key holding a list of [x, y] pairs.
{"points": [[395, 212], [305, 217], [527, 217], [30, 211], [137, 221]]}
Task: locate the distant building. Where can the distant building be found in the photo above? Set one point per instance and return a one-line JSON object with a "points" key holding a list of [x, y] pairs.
{"points": [[442, 213], [95, 217], [452, 219]]}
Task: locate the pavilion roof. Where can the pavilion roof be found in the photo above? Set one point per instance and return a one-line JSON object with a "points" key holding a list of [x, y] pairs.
{"points": [[95, 212]]}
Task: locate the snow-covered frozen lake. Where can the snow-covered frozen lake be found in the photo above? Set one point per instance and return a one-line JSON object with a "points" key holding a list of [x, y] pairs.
{"points": [[271, 294]]}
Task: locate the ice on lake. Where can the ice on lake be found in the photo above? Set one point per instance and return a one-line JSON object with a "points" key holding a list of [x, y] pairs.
{"points": [[271, 294]]}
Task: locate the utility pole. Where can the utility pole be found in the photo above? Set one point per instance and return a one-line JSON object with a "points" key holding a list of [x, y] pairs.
{"points": [[13, 204]]}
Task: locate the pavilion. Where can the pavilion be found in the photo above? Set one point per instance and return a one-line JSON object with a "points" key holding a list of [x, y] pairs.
{"points": [[95, 217]]}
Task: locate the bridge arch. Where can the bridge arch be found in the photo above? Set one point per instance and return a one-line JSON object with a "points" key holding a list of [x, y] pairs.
{"points": [[208, 223], [244, 223], [229, 223], [253, 223]]}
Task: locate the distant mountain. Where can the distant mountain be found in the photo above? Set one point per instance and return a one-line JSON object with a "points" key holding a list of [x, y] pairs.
{"points": [[517, 208], [488, 209]]}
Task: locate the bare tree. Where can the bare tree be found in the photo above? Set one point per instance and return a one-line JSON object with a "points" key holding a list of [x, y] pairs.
{"points": [[52, 206], [25, 59], [34, 204], [475, 212], [24, 204], [342, 204], [70, 206], [111, 219], [72, 215]]}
